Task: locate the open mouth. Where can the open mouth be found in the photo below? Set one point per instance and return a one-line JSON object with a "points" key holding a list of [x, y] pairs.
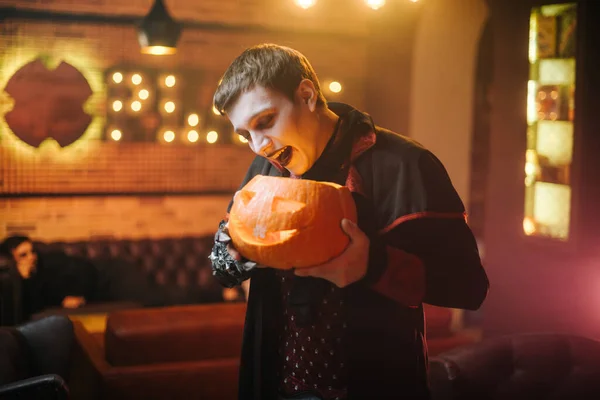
{"points": [[282, 156]]}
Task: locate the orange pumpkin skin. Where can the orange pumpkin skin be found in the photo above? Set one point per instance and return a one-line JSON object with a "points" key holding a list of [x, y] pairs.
{"points": [[290, 223]]}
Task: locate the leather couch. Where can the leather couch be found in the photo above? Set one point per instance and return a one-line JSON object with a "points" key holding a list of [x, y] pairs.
{"points": [[35, 359], [520, 367], [170, 353], [181, 261], [180, 265]]}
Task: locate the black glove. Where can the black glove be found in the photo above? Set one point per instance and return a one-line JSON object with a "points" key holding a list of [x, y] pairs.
{"points": [[228, 271]]}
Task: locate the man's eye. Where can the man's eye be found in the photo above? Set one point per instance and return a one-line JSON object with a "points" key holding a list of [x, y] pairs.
{"points": [[264, 122]]}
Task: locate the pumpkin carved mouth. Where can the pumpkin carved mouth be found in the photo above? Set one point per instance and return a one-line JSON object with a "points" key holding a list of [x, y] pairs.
{"points": [[283, 223]]}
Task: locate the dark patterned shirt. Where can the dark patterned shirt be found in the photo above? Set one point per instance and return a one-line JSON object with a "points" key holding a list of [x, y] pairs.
{"points": [[313, 356]]}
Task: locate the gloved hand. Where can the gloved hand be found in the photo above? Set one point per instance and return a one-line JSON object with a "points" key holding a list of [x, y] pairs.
{"points": [[228, 271]]}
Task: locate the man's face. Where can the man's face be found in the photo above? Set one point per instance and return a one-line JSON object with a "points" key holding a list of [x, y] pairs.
{"points": [[277, 128], [25, 258]]}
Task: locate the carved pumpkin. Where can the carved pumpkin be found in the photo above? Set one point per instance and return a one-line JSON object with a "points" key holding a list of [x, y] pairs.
{"points": [[285, 223]]}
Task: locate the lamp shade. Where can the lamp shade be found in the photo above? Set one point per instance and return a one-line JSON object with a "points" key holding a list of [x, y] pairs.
{"points": [[158, 32]]}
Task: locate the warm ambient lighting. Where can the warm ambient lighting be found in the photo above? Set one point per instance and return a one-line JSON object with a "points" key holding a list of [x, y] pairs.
{"points": [[375, 4], [305, 3], [136, 79], [335, 87], [116, 135], [117, 105], [169, 107], [193, 119], [159, 50], [169, 136], [193, 136], [159, 33], [212, 136], [117, 77], [528, 226], [143, 94], [170, 81]]}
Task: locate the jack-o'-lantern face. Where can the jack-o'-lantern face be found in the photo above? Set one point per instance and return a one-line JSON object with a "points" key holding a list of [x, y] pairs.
{"points": [[284, 223]]}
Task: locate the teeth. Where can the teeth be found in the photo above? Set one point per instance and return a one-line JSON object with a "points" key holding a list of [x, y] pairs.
{"points": [[278, 153]]}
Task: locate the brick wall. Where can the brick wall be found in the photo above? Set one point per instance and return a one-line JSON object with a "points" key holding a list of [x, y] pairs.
{"points": [[82, 218]]}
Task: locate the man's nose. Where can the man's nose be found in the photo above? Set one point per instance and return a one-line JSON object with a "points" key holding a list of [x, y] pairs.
{"points": [[261, 144]]}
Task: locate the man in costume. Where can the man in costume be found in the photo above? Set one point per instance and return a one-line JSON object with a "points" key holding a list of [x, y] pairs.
{"points": [[352, 328]]}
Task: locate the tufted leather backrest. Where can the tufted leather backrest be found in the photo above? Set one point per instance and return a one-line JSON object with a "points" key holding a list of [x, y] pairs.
{"points": [[180, 261], [526, 366]]}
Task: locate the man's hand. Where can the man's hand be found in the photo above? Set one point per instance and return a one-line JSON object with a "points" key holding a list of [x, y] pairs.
{"points": [[348, 267], [73, 302]]}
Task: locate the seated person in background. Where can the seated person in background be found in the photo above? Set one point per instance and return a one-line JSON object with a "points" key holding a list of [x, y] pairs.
{"points": [[51, 280], [55, 279]]}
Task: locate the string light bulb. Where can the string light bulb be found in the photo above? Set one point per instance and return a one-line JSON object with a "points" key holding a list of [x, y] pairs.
{"points": [[143, 94], [193, 119], [116, 135], [170, 81], [169, 136], [375, 4], [212, 136], [117, 105], [335, 87], [193, 136], [305, 4], [169, 107]]}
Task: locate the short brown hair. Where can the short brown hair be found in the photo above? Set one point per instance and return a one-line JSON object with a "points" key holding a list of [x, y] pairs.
{"points": [[269, 65]]}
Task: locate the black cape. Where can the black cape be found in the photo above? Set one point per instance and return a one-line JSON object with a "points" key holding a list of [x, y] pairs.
{"points": [[404, 199]]}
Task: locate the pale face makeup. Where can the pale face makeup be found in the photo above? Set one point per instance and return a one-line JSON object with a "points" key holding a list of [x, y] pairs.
{"points": [[284, 131], [25, 258]]}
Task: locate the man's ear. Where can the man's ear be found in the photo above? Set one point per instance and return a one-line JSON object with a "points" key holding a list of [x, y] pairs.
{"points": [[307, 94]]}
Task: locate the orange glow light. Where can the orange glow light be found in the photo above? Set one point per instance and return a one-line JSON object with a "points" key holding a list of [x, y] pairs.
{"points": [[117, 77], [528, 226], [212, 136], [169, 136], [158, 50], [193, 136], [116, 135], [193, 119], [305, 4], [143, 94]]}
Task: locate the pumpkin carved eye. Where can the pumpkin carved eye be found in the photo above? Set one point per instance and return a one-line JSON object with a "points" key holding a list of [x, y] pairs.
{"points": [[245, 196], [282, 205]]}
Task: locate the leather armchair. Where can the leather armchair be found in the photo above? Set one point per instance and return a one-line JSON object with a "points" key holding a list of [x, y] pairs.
{"points": [[526, 366], [35, 358], [44, 387]]}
